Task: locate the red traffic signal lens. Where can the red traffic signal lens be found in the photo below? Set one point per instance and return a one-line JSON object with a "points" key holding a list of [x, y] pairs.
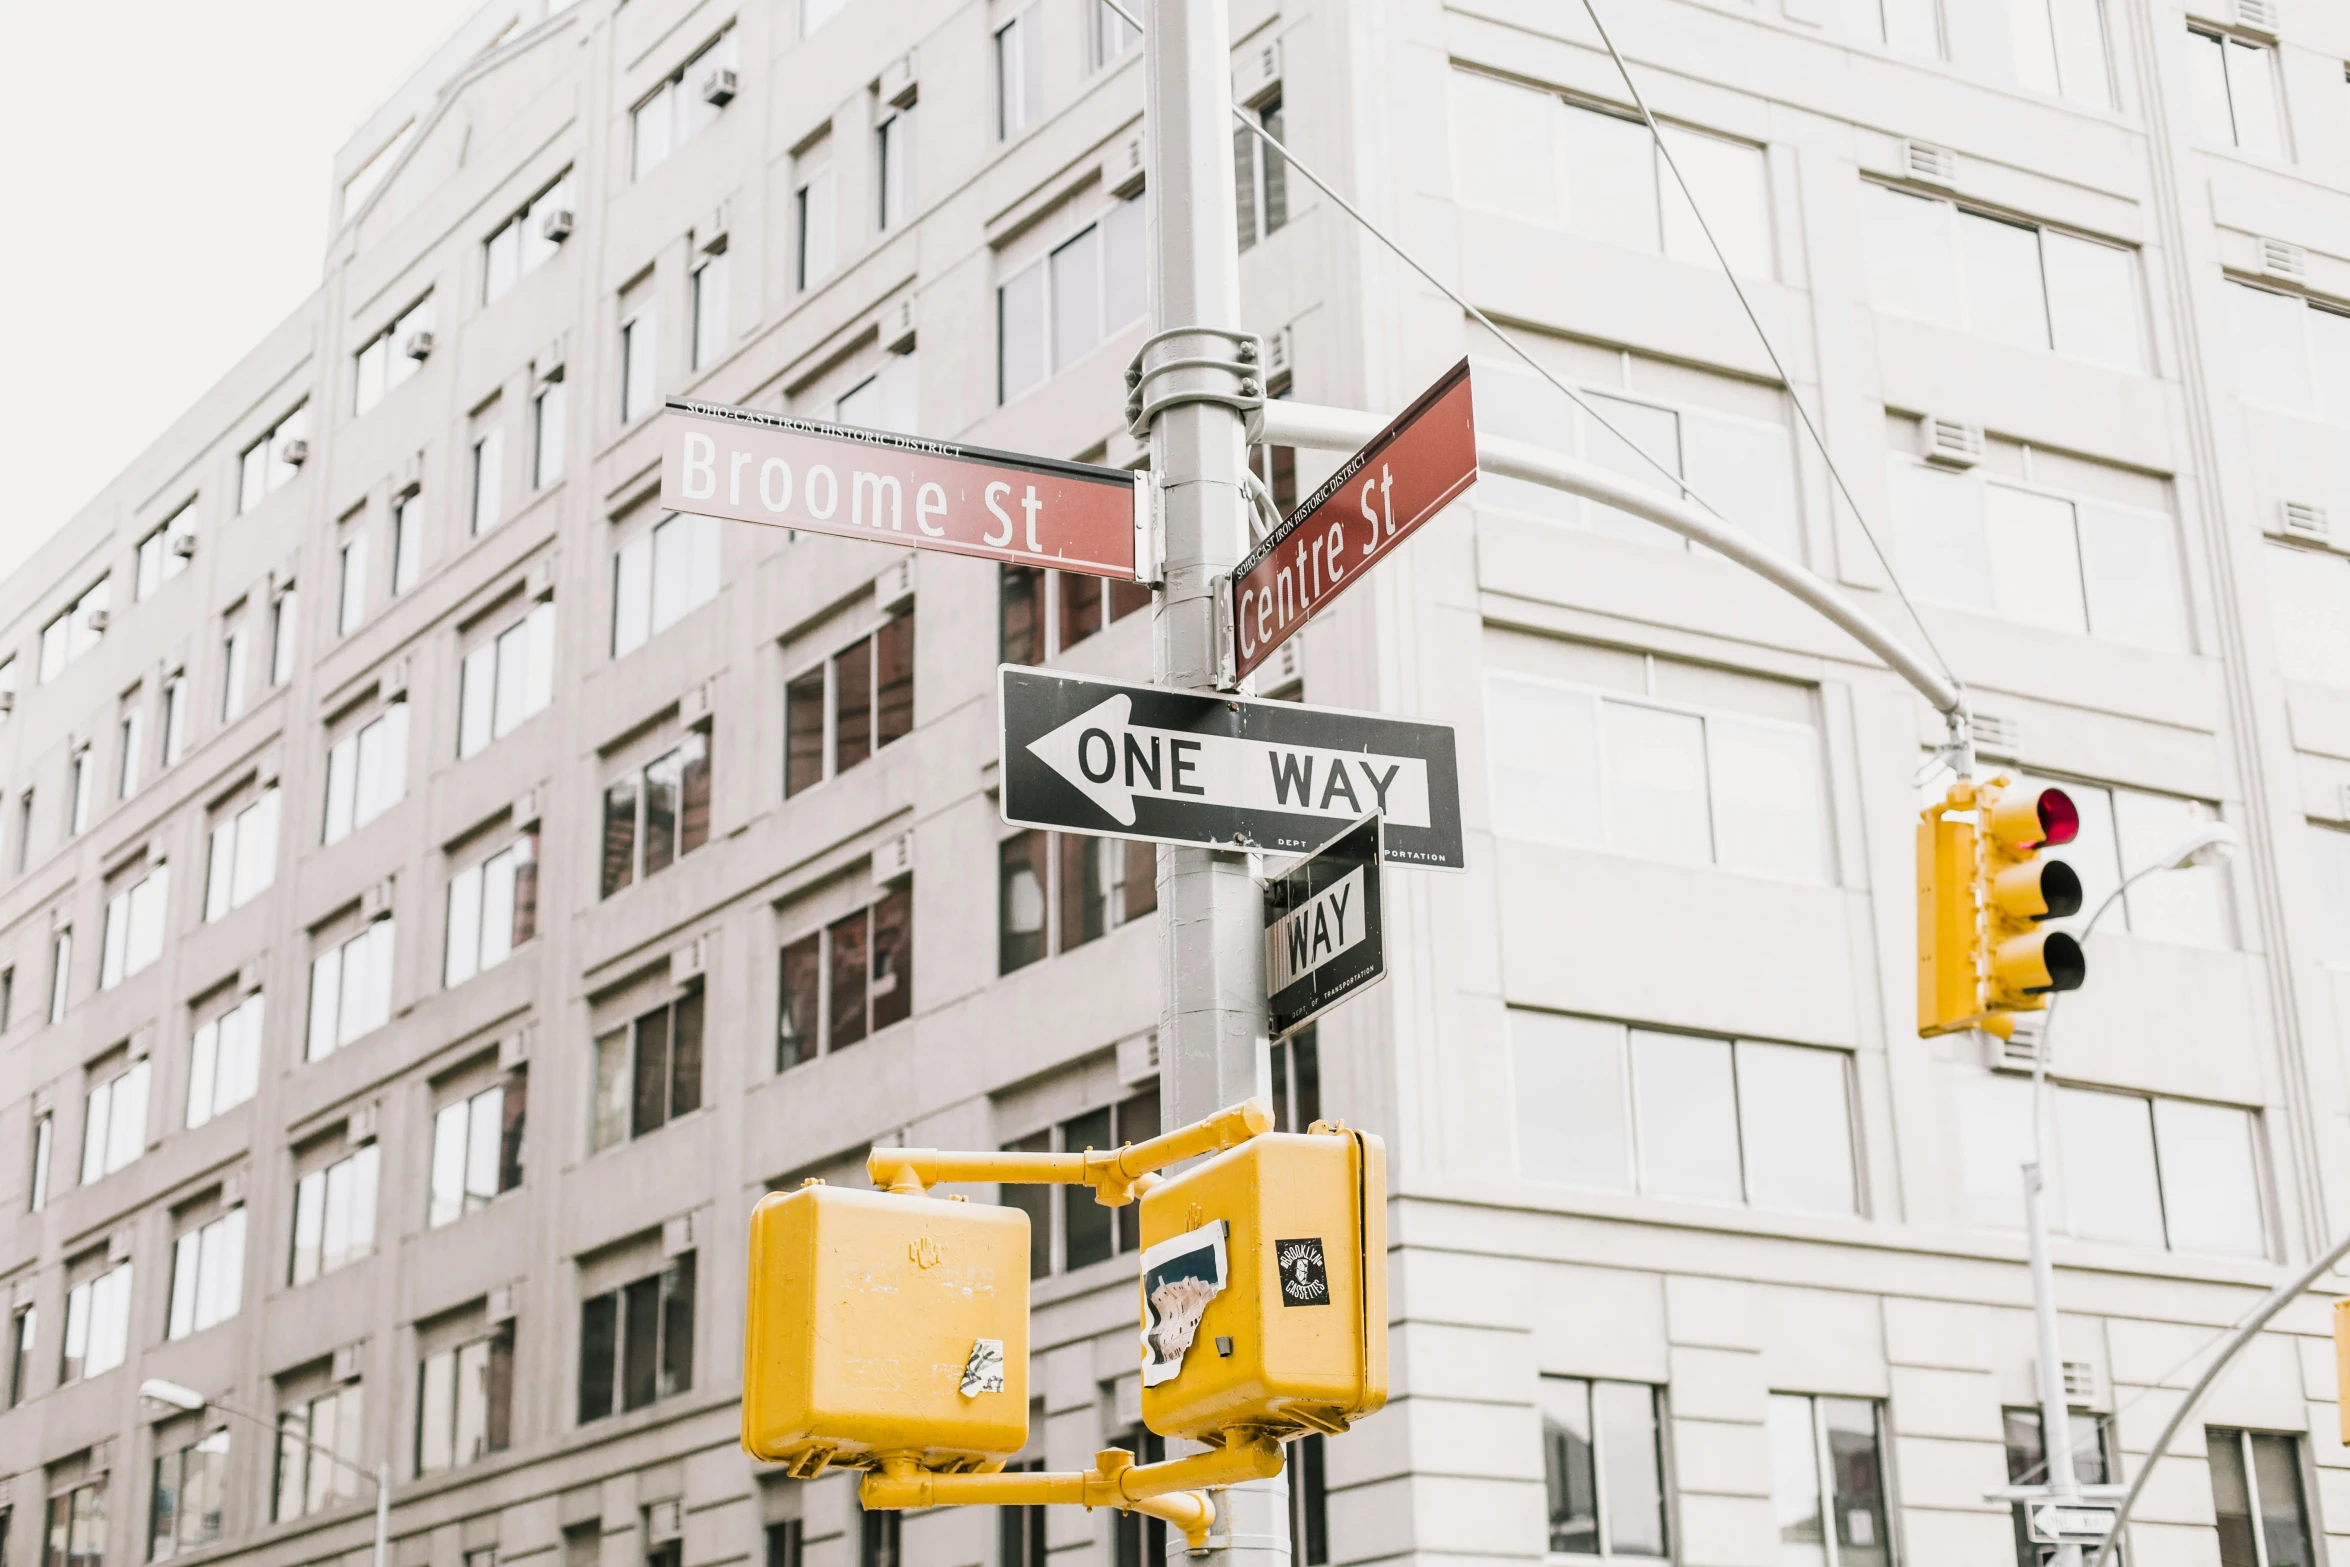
{"points": [[2060, 819]]}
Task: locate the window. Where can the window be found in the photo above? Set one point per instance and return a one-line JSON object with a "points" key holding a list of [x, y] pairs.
{"points": [[1260, 178], [1058, 609], [493, 908], [2127, 830], [407, 541], [546, 435], [161, 554], [334, 1215], [2257, 1499], [2137, 1171], [175, 720], [1113, 35], [888, 399], [350, 990], [134, 927], [2069, 563], [477, 1149], [393, 355], [235, 643], [1309, 1504], [7, 683], [114, 1116], [1603, 1461], [852, 978], [639, 364], [893, 152], [709, 301], [661, 576], [1064, 305], [2236, 96], [2027, 1464], [506, 679], [2290, 354], [657, 814], [185, 1503], [786, 1543], [636, 1343], [648, 1072], [683, 106], [1828, 1481], [224, 1061], [131, 735], [207, 1274], [2060, 50], [7, 996], [24, 1333], [318, 1446], [528, 240], [84, 793], [465, 1402], [1905, 26], [1682, 1116], [2012, 282], [1743, 465], [1057, 891], [1067, 1229], [815, 209], [284, 613], [76, 630], [243, 858], [846, 708], [274, 461], [1297, 1081], [1740, 792], [1019, 73], [44, 1141], [77, 1527], [367, 771], [60, 969], [351, 590], [97, 1321], [1535, 157], [489, 471]]}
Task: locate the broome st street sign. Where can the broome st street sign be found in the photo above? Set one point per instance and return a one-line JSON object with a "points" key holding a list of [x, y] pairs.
{"points": [[748, 466], [1409, 472], [1324, 939], [1229, 772]]}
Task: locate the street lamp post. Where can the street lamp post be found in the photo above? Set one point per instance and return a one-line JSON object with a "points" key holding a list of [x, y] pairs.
{"points": [[188, 1398], [2207, 845]]}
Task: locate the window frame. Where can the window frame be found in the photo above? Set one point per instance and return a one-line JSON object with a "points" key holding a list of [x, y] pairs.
{"points": [[520, 845], [361, 1200], [675, 1303], [694, 755], [1053, 357], [615, 1104], [1598, 1443], [793, 1048]]}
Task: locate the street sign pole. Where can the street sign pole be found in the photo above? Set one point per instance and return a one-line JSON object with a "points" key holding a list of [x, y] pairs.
{"points": [[1212, 1046]]}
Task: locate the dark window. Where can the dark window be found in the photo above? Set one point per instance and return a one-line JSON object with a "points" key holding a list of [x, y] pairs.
{"points": [[784, 1543], [1081, 607], [893, 679], [1142, 1541], [1309, 1504], [864, 693], [77, 1527], [851, 979], [2027, 1465], [1020, 899], [1127, 597], [2257, 1498], [1036, 1202], [877, 1539], [1087, 1231], [636, 1343], [656, 816], [1019, 1530], [803, 979], [852, 687], [1297, 1081], [1603, 1465], [7, 996], [803, 732], [649, 1072], [23, 1330], [1023, 623], [1095, 885], [847, 938]]}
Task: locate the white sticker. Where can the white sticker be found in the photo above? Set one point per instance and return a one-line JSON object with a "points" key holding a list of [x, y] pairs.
{"points": [[984, 1371], [1179, 1278]]}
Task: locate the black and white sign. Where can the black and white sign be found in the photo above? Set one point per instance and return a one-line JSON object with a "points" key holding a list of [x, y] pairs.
{"points": [[1305, 1279], [1323, 937], [2072, 1523], [1229, 772]]}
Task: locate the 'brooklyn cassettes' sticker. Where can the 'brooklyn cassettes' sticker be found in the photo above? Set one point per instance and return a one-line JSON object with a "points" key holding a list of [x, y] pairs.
{"points": [[1304, 1281]]}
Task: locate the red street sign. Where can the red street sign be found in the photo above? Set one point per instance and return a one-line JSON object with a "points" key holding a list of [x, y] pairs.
{"points": [[748, 466], [1409, 472]]}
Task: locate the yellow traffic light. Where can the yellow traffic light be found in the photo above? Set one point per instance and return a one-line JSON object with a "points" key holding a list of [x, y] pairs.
{"points": [[885, 1323], [1264, 1288], [1983, 895]]}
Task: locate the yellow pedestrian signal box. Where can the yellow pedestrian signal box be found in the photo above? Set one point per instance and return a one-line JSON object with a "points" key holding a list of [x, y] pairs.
{"points": [[1264, 1288], [881, 1322]]}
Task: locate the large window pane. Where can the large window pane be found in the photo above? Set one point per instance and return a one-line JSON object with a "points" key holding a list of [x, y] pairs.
{"points": [[1571, 1105], [2210, 1179], [1728, 180], [1656, 784], [1687, 1113], [1912, 268], [2130, 571], [1743, 467], [2207, 68], [1077, 301], [1938, 537], [1641, 442], [1632, 1462], [1795, 1117], [2111, 1193], [1492, 118], [1611, 177], [1569, 1470], [1513, 403], [2188, 906], [2035, 558], [1543, 750], [2260, 127], [2309, 613], [2329, 851], [2284, 1518], [1856, 1466], [1766, 798], [1795, 1483], [2004, 297], [1020, 333], [1995, 1136], [2093, 301], [2272, 357]]}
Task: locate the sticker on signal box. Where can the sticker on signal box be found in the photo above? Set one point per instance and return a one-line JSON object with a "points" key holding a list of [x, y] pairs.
{"points": [[1179, 1278]]}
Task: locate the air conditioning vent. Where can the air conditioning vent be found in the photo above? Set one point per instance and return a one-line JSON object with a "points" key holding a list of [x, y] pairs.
{"points": [[118, 1246], [663, 1520], [514, 1049], [2305, 520], [897, 326], [1948, 443], [1281, 351], [295, 452], [99, 619], [7, 701], [2018, 1051], [525, 810], [555, 227], [418, 346], [249, 979], [693, 703], [2257, 16], [1122, 170], [718, 87], [184, 545], [394, 683], [895, 585], [1998, 734], [1138, 1057], [1929, 164], [232, 1188], [893, 858], [2080, 1381], [346, 1366], [2281, 258]]}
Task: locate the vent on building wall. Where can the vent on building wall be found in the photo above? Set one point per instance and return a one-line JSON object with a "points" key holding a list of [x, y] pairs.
{"points": [[897, 326], [184, 545], [2080, 1381], [663, 1523], [1948, 443], [525, 810], [1138, 1057], [555, 227], [895, 585], [1256, 71], [418, 346], [677, 1236], [360, 1126], [892, 858], [346, 1366], [502, 1303], [514, 1049], [1122, 170], [99, 619], [295, 452], [2281, 258], [2256, 16], [900, 81], [249, 979], [2305, 520], [375, 902], [1998, 734], [395, 679], [693, 703], [1928, 163], [2016, 1052], [687, 963], [118, 1246], [718, 87]]}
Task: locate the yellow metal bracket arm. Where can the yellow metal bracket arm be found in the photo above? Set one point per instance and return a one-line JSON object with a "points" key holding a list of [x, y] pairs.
{"points": [[1175, 1490], [1117, 1175]]}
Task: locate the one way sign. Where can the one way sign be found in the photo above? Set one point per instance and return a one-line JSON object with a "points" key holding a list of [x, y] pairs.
{"points": [[1228, 772]]}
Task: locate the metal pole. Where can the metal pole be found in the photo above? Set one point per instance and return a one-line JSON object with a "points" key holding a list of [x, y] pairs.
{"points": [[383, 1515], [2056, 1425], [1212, 1049]]}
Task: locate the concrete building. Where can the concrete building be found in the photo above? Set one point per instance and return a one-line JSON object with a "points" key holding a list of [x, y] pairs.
{"points": [[381, 762]]}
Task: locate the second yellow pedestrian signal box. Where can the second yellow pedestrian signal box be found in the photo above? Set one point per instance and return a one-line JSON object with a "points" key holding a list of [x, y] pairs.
{"points": [[1264, 1288], [881, 1322]]}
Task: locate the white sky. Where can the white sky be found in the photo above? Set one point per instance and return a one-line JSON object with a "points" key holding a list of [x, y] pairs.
{"points": [[165, 192]]}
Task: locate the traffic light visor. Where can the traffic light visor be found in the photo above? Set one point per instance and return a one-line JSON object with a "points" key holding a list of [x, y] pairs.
{"points": [[2039, 819], [2037, 890], [2038, 963]]}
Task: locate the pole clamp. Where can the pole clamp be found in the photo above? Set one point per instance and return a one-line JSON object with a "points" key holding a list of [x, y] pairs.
{"points": [[1227, 369]]}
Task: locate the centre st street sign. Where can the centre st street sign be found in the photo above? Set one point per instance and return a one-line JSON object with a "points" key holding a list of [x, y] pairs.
{"points": [[1225, 772], [1409, 472], [1324, 939], [748, 466]]}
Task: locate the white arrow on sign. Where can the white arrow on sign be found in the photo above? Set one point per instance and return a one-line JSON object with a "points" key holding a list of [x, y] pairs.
{"points": [[2067, 1523], [1110, 760]]}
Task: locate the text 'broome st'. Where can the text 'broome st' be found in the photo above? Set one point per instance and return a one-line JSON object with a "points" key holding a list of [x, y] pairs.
{"points": [[748, 466], [1184, 767], [1409, 472]]}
